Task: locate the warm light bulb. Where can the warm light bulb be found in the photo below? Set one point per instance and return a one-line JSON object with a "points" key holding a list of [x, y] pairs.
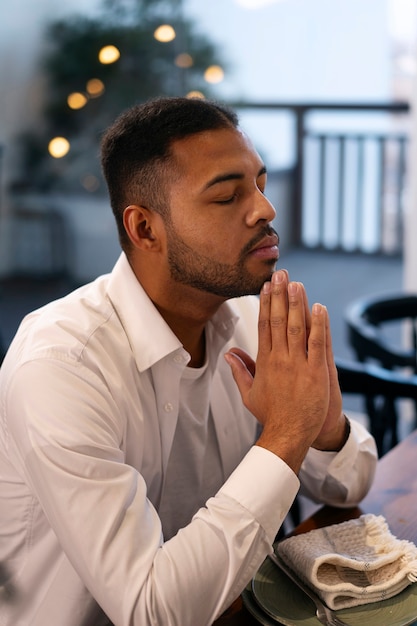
{"points": [[109, 54], [184, 60], [58, 147], [164, 33], [76, 100], [214, 74], [95, 87], [195, 94]]}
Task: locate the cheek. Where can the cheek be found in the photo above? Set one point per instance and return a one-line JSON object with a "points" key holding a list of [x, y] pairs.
{"points": [[211, 235], [214, 237]]}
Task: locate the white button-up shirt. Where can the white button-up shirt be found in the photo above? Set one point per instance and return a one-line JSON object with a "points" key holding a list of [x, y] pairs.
{"points": [[89, 396]]}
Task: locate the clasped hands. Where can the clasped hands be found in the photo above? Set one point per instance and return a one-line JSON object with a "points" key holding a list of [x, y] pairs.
{"points": [[292, 388]]}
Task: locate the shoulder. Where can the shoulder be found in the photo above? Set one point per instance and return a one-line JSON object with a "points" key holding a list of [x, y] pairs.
{"points": [[65, 325]]}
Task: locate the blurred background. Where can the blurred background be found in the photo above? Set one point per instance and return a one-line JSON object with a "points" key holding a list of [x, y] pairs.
{"points": [[323, 87]]}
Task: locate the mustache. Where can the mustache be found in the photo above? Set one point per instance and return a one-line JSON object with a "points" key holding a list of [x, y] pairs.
{"points": [[266, 231]]}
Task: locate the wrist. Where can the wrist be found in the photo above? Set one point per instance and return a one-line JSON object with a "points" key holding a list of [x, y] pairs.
{"points": [[292, 454], [333, 441]]}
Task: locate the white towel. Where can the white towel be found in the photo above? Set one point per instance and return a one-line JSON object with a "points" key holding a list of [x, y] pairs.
{"points": [[352, 563]]}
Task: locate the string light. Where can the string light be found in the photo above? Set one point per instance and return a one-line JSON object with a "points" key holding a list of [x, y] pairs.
{"points": [[76, 100], [95, 87], [109, 54], [164, 33], [58, 147], [214, 74]]}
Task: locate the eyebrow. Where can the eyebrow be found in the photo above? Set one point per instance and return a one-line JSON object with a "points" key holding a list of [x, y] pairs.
{"points": [[231, 176]]}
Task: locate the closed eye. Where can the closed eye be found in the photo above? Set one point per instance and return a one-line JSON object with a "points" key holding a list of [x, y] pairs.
{"points": [[227, 200]]}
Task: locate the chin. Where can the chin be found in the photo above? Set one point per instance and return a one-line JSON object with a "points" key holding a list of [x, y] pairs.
{"points": [[268, 272]]}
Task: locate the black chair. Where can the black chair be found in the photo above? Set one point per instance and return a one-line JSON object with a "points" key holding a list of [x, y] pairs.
{"points": [[366, 319], [368, 379], [381, 389], [377, 330]]}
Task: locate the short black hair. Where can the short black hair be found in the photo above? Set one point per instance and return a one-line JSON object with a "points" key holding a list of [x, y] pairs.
{"points": [[136, 149]]}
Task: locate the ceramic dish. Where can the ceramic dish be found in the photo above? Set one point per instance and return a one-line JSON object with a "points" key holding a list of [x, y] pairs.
{"points": [[284, 603], [255, 610]]}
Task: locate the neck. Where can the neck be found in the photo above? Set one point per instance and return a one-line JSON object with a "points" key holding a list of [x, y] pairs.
{"points": [[185, 309], [190, 332]]}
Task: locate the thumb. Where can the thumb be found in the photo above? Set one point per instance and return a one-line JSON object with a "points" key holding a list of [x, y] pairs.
{"points": [[243, 370]]}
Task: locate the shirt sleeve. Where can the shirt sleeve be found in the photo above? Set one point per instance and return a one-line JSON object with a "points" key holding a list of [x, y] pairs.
{"points": [[341, 478], [68, 442]]}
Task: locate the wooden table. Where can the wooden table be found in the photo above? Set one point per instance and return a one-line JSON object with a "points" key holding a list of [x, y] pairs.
{"points": [[393, 495]]}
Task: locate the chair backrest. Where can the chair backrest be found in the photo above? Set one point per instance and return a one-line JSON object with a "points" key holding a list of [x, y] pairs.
{"points": [[380, 388], [365, 318], [368, 320], [367, 379]]}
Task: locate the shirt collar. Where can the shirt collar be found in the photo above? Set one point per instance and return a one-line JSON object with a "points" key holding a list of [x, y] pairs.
{"points": [[150, 337]]}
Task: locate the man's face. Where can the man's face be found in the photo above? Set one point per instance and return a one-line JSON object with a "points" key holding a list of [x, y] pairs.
{"points": [[219, 238]]}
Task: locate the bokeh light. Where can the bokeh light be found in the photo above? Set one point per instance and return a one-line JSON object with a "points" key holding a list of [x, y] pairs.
{"points": [[76, 100], [184, 60], [95, 87], [214, 74], [108, 54], [195, 94], [164, 33], [58, 147], [90, 183]]}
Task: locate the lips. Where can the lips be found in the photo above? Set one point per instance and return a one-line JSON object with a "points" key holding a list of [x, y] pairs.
{"points": [[269, 241], [267, 248]]}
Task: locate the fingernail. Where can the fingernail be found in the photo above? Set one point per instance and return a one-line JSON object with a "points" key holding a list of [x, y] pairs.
{"points": [[266, 287], [278, 277], [292, 289], [317, 309]]}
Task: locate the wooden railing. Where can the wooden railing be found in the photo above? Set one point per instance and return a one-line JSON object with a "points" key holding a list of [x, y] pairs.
{"points": [[347, 187]]}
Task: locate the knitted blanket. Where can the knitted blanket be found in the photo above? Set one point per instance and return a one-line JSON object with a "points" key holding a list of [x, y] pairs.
{"points": [[352, 563]]}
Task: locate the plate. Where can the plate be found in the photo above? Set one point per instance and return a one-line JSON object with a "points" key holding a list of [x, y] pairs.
{"points": [[255, 610], [277, 595]]}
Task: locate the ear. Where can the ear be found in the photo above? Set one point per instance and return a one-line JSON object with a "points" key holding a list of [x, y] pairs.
{"points": [[142, 227]]}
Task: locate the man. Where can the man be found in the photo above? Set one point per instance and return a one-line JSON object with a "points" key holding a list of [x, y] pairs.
{"points": [[131, 485]]}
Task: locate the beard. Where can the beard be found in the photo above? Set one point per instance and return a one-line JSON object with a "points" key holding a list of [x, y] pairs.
{"points": [[189, 267]]}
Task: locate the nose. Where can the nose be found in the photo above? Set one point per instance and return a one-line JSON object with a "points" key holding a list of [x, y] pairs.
{"points": [[261, 209]]}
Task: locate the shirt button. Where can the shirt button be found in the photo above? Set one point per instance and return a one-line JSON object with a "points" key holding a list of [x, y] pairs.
{"points": [[168, 407], [178, 358]]}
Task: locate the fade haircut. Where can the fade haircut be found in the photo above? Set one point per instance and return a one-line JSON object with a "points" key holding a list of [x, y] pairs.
{"points": [[136, 155]]}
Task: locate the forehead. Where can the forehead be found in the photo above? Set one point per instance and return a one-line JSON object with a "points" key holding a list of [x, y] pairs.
{"points": [[203, 156]]}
